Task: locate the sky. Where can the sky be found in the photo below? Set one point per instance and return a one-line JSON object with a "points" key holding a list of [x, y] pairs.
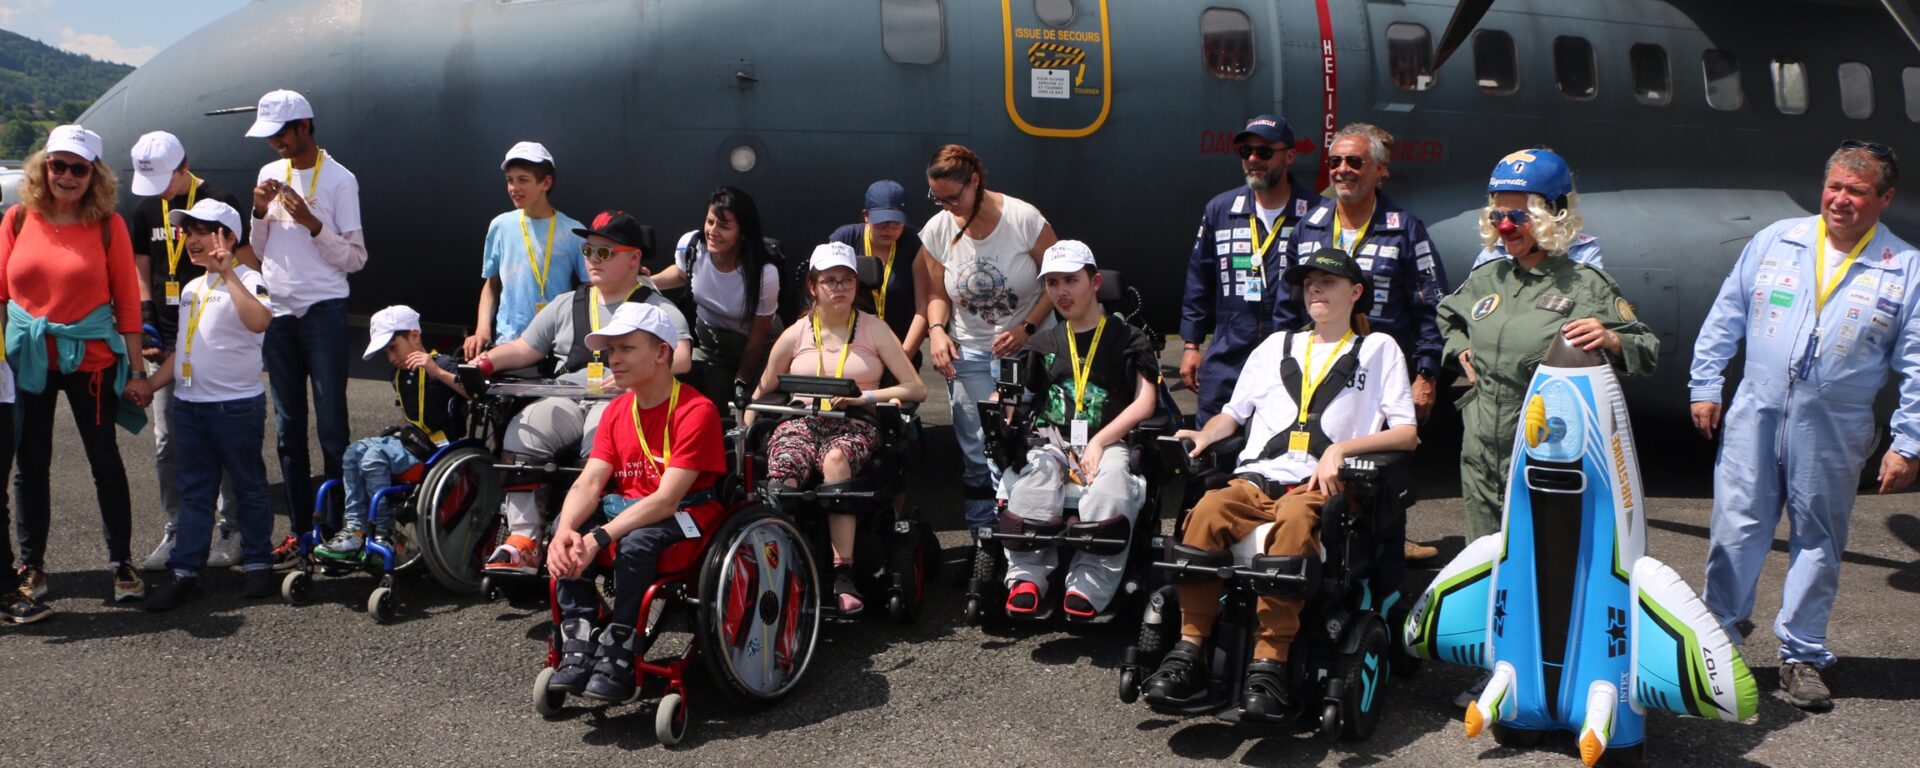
{"points": [[121, 31]]}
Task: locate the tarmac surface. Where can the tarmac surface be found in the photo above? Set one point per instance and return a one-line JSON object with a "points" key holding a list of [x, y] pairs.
{"points": [[224, 681]]}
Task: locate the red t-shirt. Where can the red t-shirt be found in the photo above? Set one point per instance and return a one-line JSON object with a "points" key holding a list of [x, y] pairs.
{"points": [[62, 275], [697, 445]]}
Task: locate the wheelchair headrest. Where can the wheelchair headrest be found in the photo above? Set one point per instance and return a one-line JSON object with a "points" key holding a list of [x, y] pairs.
{"points": [[1111, 288], [869, 270]]}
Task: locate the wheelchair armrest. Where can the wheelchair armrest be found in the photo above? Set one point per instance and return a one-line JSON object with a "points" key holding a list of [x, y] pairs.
{"points": [[1221, 456], [1383, 481], [1371, 468], [471, 380]]}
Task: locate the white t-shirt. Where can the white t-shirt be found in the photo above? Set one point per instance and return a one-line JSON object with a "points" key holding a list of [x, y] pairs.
{"points": [[225, 355], [302, 268], [1376, 397], [994, 282], [719, 298]]}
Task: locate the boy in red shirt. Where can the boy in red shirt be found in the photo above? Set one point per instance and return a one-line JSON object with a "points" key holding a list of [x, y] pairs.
{"points": [[664, 472]]}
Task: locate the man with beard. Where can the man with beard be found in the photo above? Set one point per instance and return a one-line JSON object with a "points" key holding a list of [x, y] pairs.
{"points": [[1238, 255]]}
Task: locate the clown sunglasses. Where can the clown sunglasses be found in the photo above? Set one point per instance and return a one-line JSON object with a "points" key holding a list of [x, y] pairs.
{"points": [[1518, 216]]}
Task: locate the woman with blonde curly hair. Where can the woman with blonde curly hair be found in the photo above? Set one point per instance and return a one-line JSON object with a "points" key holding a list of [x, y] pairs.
{"points": [[73, 318]]}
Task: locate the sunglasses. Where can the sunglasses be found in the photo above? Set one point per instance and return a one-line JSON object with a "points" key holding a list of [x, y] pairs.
{"points": [[1251, 152], [1518, 216], [602, 252], [76, 170], [1355, 162], [950, 200]]}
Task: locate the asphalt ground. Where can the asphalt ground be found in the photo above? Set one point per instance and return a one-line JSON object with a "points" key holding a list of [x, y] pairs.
{"points": [[229, 682]]}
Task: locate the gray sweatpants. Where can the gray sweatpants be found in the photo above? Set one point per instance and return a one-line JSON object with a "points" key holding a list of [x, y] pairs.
{"points": [[1039, 494], [540, 432]]}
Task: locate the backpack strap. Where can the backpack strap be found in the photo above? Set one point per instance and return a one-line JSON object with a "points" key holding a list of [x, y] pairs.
{"points": [[1293, 378], [578, 356]]}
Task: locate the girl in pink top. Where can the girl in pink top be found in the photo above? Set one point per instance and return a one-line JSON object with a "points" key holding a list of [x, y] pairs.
{"points": [[835, 340]]}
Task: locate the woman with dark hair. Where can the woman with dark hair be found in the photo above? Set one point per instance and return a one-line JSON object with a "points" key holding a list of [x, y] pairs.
{"points": [[736, 292], [73, 317], [982, 256]]}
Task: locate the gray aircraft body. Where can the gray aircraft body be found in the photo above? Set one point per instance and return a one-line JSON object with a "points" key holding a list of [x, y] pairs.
{"points": [[1690, 125]]}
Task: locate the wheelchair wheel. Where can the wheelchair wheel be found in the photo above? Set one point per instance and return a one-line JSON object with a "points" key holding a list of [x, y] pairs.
{"points": [[1404, 664], [457, 510], [911, 562], [670, 719], [1365, 671], [759, 607], [547, 702], [380, 605], [1158, 637], [296, 587], [987, 608]]}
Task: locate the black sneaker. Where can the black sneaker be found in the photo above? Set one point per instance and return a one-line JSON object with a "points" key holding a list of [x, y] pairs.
{"points": [[613, 673], [261, 582], [1804, 687], [576, 657], [20, 609], [173, 594], [1182, 677], [1267, 696]]}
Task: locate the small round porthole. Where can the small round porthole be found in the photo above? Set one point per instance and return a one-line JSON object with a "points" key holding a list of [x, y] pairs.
{"points": [[743, 159]]}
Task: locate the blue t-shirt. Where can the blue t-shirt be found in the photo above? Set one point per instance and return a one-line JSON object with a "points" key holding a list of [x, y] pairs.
{"points": [[506, 257]]}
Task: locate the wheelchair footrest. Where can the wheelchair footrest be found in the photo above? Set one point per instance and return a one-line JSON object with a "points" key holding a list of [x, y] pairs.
{"points": [[1104, 537], [1283, 576]]}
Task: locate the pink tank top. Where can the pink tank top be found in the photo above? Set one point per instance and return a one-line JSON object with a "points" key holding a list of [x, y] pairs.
{"points": [[863, 362]]}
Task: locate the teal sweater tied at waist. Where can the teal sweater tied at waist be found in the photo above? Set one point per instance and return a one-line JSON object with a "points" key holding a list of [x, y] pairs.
{"points": [[27, 353]]}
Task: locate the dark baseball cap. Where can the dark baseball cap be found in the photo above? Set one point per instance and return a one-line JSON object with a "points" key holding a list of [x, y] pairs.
{"points": [[620, 227], [886, 201], [1333, 261], [1273, 128]]}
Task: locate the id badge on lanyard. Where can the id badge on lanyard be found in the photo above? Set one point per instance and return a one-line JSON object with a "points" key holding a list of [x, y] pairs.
{"points": [[1804, 370], [1298, 441], [173, 293], [595, 372], [1077, 432]]}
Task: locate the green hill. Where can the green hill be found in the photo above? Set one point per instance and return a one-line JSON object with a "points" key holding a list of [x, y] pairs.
{"points": [[42, 86]]}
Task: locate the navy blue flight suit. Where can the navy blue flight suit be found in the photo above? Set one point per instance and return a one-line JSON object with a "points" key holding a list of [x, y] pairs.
{"points": [[1408, 278]]}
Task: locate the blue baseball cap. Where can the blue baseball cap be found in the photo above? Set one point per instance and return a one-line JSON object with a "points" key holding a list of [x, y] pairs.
{"points": [[1273, 128], [886, 201], [1540, 171]]}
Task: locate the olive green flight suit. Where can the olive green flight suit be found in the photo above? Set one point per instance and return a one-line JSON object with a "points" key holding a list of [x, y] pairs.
{"points": [[1507, 315]]}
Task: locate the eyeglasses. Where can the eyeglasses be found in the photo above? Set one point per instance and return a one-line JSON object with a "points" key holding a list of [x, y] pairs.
{"points": [[1518, 216], [1248, 152], [602, 253], [839, 283], [1355, 162], [950, 200], [76, 170]]}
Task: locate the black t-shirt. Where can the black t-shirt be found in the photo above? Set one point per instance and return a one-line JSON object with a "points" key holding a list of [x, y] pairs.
{"points": [[1122, 357], [148, 232], [445, 411], [899, 309]]}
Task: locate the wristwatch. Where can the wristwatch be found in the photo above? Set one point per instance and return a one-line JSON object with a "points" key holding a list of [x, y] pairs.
{"points": [[1193, 345], [941, 327], [600, 534], [1030, 328]]}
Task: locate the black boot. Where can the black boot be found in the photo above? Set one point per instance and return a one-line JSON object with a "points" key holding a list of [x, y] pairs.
{"points": [[576, 657], [1267, 695], [613, 673], [178, 591], [1181, 678]]}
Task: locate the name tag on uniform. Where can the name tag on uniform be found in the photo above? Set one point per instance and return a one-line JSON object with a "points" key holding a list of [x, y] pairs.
{"points": [[1298, 440], [173, 293], [1255, 288], [1553, 302]]}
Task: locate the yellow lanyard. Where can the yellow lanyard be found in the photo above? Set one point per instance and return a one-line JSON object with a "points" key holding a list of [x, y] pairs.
{"points": [[540, 270], [193, 320], [1260, 248], [666, 431], [420, 400], [177, 244], [313, 182], [1082, 371], [593, 315], [1358, 237], [886, 277], [820, 357], [1316, 378], [1822, 290]]}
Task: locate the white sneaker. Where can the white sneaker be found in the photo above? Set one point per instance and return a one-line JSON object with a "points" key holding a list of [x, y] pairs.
{"points": [[158, 560], [226, 550]]}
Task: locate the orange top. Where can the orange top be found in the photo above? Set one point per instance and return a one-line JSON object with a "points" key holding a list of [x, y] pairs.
{"points": [[59, 273]]}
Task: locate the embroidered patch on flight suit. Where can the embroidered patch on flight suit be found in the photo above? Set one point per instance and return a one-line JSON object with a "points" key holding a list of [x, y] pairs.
{"points": [[1393, 220], [1624, 309], [1553, 302], [1485, 306]]}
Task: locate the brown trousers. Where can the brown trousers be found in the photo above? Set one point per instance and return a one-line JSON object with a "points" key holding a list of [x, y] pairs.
{"points": [[1227, 515]]}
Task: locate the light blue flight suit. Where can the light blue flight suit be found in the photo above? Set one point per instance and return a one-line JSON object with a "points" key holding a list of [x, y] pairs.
{"points": [[1799, 430]]}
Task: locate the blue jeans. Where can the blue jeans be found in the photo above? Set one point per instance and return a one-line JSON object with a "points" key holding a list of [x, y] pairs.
{"points": [[974, 371], [312, 347], [371, 464], [212, 439]]}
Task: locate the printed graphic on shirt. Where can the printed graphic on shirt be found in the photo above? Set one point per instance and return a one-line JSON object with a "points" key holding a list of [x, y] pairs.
{"points": [[1060, 401], [983, 291]]}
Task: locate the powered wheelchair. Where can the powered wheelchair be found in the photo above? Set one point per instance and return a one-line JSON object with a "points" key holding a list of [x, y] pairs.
{"points": [[1349, 639], [1008, 424], [895, 554]]}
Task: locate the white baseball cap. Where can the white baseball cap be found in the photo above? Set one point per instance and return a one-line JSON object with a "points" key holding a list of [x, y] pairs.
{"points": [[155, 157], [530, 151], [829, 255], [210, 210], [398, 318], [75, 139], [1066, 256], [633, 316], [276, 109]]}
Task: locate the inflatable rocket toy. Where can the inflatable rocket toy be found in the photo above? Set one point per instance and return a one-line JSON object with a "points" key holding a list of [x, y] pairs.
{"points": [[1580, 629]]}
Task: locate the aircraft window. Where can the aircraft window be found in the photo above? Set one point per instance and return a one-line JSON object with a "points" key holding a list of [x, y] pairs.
{"points": [[1652, 78], [1790, 86], [1494, 65], [1722, 72], [912, 31], [1856, 90], [1054, 13], [1226, 37], [1573, 67], [1910, 82], [1410, 56]]}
